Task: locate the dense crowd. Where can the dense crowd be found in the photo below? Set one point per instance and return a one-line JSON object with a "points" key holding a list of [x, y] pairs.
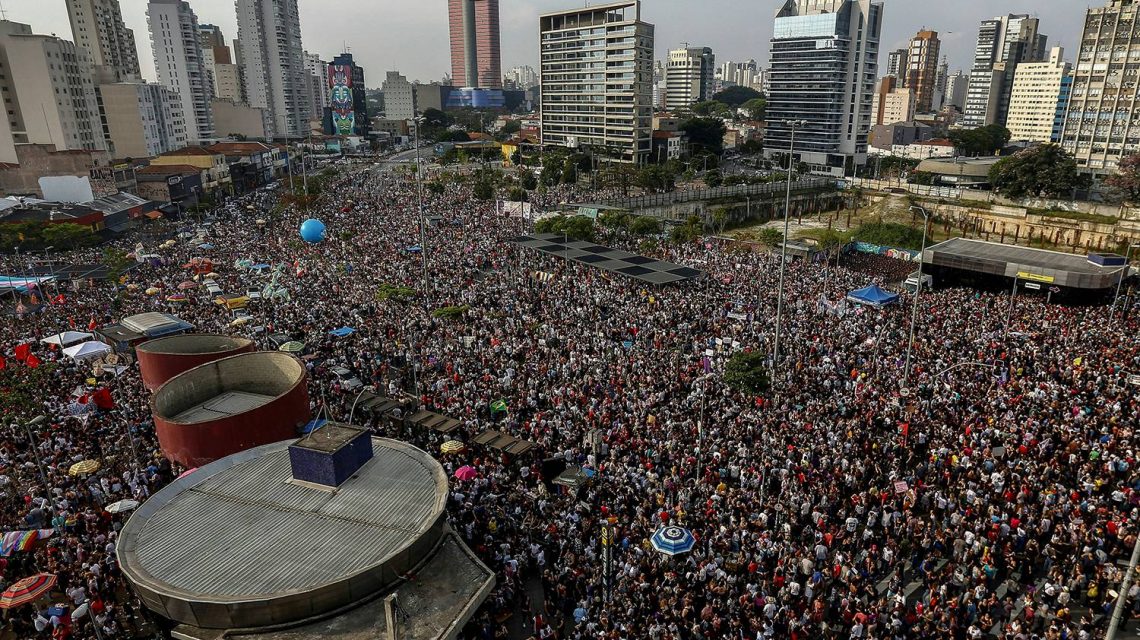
{"points": [[997, 495]]}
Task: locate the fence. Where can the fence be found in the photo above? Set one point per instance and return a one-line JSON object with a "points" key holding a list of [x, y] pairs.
{"points": [[735, 191]]}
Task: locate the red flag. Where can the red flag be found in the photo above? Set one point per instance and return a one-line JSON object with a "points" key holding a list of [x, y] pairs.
{"points": [[32, 361], [71, 320], [103, 400], [23, 351], [3, 363], [91, 325]]}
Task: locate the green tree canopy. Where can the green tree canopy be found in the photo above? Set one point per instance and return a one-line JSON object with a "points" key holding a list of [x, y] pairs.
{"points": [[711, 108], [1126, 181], [745, 372], [705, 134], [756, 108], [737, 96], [573, 227], [982, 141], [1046, 170]]}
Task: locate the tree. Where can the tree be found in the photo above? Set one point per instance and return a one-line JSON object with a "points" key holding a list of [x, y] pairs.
{"points": [[705, 134], [655, 179], [116, 261], [617, 175], [511, 127], [68, 235], [1046, 170], [436, 187], [483, 190], [573, 227], [982, 141], [517, 194], [737, 96], [436, 118], [528, 181], [645, 226], [713, 179], [1126, 181], [755, 108], [770, 237], [746, 372], [711, 108]]}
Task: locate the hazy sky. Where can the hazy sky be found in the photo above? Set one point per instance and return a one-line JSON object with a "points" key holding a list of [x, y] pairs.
{"points": [[411, 35]]}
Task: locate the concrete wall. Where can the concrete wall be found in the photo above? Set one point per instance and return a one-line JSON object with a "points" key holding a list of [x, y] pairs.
{"points": [[232, 119], [40, 160]]}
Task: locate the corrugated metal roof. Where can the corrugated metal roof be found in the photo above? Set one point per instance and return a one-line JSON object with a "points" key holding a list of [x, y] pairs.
{"points": [[247, 531]]}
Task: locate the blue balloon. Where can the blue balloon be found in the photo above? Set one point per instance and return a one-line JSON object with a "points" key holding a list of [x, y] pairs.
{"points": [[312, 231]]}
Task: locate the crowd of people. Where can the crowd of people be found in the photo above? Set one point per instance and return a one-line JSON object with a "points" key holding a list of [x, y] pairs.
{"points": [[996, 496]]}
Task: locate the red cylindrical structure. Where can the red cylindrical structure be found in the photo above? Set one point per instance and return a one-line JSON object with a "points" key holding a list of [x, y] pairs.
{"points": [[163, 358], [230, 405]]}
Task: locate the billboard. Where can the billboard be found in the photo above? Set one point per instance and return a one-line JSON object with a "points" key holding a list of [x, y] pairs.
{"points": [[340, 100]]}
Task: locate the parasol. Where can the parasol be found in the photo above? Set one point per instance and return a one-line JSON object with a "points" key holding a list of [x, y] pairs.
{"points": [[187, 284], [152, 291], [27, 590], [292, 347], [84, 467], [452, 446], [122, 506], [466, 473], [673, 540]]}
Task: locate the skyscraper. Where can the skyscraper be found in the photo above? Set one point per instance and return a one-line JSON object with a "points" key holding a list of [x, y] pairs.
{"points": [[273, 64], [318, 75], [1003, 43], [475, 56], [97, 25], [348, 106], [824, 63], [897, 64], [956, 86], [922, 69], [179, 64], [1039, 93], [689, 76], [1104, 107], [597, 80], [220, 64]]}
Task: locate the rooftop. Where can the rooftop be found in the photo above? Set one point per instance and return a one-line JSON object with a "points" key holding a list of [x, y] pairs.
{"points": [[609, 259], [1026, 263], [190, 151], [168, 169]]}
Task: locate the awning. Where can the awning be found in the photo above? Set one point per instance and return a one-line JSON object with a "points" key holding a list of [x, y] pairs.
{"points": [[873, 295]]}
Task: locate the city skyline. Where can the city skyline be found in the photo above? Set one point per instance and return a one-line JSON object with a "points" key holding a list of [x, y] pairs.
{"points": [[397, 43]]}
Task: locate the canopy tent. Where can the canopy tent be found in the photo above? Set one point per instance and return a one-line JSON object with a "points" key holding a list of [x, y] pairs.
{"points": [[873, 295], [21, 284], [68, 338], [87, 350]]}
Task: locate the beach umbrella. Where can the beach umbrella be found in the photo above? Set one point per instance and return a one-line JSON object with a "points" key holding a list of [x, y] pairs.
{"points": [[211, 275], [466, 472], [292, 347], [673, 540], [152, 291], [122, 506], [84, 467], [187, 284], [28, 590], [452, 446], [177, 297], [132, 287]]}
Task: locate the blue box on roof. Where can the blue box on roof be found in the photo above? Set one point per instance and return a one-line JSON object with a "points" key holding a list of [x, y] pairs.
{"points": [[330, 455], [1107, 259]]}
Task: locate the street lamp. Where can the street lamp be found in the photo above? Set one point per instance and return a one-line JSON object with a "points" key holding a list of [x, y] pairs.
{"points": [[1123, 273], [917, 291], [784, 247], [36, 422], [420, 194]]}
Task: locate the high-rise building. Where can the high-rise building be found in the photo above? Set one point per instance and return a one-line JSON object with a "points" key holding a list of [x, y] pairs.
{"points": [[178, 63], [475, 57], [48, 87], [740, 74], [347, 112], [141, 120], [1039, 93], [224, 75], [399, 97], [892, 102], [522, 78], [897, 64], [830, 87], [318, 76], [1003, 43], [1100, 124], [922, 69], [956, 86], [97, 26], [597, 80], [689, 76], [273, 64]]}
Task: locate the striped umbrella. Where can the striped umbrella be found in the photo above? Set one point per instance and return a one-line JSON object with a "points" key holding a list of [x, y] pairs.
{"points": [[452, 446], [84, 467], [27, 590], [292, 347]]}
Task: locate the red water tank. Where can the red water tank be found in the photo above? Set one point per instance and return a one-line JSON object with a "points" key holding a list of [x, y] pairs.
{"points": [[163, 358]]}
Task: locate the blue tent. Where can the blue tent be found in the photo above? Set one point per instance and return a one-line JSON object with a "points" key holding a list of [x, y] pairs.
{"points": [[342, 332], [873, 295]]}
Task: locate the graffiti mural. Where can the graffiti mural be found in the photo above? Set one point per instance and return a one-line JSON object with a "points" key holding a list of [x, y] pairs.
{"points": [[340, 100]]}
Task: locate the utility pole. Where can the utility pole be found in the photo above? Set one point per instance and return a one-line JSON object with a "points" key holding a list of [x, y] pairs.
{"points": [[917, 291], [784, 246]]}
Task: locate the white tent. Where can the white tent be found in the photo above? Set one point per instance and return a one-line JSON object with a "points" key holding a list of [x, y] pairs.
{"points": [[68, 338], [86, 350]]}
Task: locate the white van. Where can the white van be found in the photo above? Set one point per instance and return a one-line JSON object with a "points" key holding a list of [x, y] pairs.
{"points": [[911, 283]]}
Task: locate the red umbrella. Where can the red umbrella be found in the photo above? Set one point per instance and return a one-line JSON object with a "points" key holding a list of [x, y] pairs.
{"points": [[466, 473], [188, 284], [27, 590]]}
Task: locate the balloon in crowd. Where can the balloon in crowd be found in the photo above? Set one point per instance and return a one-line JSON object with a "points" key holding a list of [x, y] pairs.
{"points": [[312, 231]]}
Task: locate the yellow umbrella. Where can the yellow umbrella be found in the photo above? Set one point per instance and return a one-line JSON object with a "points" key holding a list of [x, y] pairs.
{"points": [[452, 446], [84, 467], [239, 322], [211, 275], [151, 291]]}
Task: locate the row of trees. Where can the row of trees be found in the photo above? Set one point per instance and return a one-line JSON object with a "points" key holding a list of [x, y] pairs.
{"points": [[36, 236]]}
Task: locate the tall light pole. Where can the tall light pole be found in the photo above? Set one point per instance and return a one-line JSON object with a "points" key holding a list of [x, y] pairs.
{"points": [[784, 246], [420, 194], [1122, 594], [35, 422], [917, 291], [1123, 273]]}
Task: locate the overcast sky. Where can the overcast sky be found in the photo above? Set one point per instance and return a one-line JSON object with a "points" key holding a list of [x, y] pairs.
{"points": [[411, 35]]}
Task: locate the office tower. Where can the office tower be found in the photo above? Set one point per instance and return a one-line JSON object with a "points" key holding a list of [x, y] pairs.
{"points": [[597, 80], [1100, 124], [892, 102], [522, 78], [179, 64], [348, 106], [830, 87], [1038, 98], [141, 120], [97, 25], [220, 64], [273, 64], [897, 64], [48, 89], [1003, 43], [922, 69], [318, 77], [399, 97], [475, 57], [940, 78], [689, 77], [956, 86]]}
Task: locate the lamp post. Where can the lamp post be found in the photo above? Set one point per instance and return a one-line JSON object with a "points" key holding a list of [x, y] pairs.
{"points": [[1122, 594], [35, 422], [917, 291], [1123, 273], [784, 246], [420, 194]]}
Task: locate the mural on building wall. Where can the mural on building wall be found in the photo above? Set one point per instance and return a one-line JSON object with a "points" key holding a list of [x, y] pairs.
{"points": [[340, 99]]}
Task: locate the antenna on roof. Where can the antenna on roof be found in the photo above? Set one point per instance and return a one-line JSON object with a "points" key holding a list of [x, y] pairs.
{"points": [[3, 13]]}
